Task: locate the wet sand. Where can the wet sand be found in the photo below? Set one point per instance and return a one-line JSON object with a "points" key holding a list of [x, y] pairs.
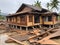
{"points": [[3, 38]]}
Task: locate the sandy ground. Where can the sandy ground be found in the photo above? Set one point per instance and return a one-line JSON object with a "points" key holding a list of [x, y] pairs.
{"points": [[4, 37]]}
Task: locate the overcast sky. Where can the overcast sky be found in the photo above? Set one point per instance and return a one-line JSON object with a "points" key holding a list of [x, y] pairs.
{"points": [[11, 6]]}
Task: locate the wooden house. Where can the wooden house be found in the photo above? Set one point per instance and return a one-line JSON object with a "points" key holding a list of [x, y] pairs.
{"points": [[30, 16]]}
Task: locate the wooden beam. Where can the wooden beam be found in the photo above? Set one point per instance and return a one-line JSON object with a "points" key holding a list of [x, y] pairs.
{"points": [[40, 34], [48, 42], [17, 41]]}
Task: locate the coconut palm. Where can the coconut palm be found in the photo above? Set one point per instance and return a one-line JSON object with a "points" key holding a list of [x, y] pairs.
{"points": [[48, 5], [38, 4], [53, 4]]}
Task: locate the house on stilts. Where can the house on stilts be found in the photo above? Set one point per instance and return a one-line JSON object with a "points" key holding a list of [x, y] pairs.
{"points": [[28, 16]]}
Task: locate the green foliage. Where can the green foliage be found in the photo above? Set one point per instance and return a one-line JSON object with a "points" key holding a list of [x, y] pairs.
{"points": [[38, 4], [2, 17], [53, 4]]}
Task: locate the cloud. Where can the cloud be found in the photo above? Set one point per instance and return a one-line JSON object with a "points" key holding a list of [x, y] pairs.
{"points": [[11, 6]]}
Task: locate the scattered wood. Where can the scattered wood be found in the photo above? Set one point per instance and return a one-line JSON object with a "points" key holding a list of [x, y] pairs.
{"points": [[43, 36], [48, 42], [9, 41]]}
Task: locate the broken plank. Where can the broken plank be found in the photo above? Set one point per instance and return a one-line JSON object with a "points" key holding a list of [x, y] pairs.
{"points": [[48, 42], [50, 36], [17, 41]]}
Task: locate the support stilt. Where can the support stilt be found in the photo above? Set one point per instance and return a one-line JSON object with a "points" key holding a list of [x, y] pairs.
{"points": [[49, 26], [26, 28], [20, 28], [53, 26], [13, 26], [33, 27], [16, 27], [40, 26]]}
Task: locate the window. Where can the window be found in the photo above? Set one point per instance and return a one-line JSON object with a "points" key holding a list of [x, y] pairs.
{"points": [[48, 18], [22, 18], [30, 18]]}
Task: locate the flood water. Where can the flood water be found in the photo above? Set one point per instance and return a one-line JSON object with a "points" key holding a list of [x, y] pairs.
{"points": [[3, 38]]}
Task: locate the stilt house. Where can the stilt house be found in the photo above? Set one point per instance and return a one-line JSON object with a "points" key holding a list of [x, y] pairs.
{"points": [[30, 16]]}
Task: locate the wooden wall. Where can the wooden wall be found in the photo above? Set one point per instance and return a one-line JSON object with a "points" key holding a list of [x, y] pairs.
{"points": [[54, 21], [17, 20], [23, 21], [41, 21], [31, 23], [29, 20]]}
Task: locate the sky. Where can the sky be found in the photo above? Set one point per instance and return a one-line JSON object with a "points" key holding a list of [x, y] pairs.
{"points": [[11, 6]]}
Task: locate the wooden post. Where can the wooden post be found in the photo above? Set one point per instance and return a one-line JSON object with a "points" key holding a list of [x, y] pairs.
{"points": [[40, 26], [27, 19], [26, 28], [13, 26], [33, 27], [20, 28], [56, 25], [33, 20], [16, 27], [49, 26], [53, 26]]}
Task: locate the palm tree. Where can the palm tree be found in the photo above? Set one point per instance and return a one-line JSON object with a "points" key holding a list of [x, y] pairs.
{"points": [[38, 4], [53, 4], [48, 5]]}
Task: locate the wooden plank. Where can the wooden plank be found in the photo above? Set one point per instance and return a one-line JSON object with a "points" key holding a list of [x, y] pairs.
{"points": [[17, 41], [48, 42], [41, 34], [19, 38], [50, 36]]}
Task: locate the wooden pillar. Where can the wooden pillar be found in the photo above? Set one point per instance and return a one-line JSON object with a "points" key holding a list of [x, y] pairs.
{"points": [[40, 26], [33, 20], [33, 27], [13, 26], [27, 19], [53, 26], [26, 28], [20, 28], [16, 27], [49, 26]]}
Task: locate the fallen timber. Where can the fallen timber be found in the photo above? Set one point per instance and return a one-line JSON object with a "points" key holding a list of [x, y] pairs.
{"points": [[48, 38], [48, 42], [30, 38]]}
